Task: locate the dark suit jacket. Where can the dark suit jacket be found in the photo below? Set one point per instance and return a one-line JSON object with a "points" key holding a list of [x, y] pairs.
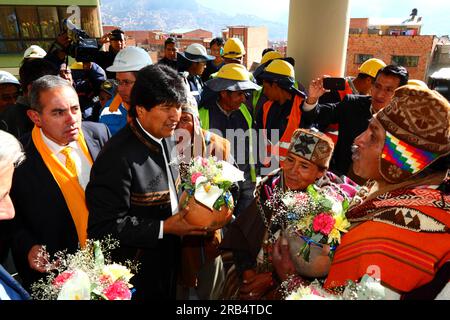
{"points": [[42, 215], [353, 116], [128, 197]]}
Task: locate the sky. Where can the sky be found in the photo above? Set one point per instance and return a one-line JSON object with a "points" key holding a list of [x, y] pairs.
{"points": [[435, 13]]}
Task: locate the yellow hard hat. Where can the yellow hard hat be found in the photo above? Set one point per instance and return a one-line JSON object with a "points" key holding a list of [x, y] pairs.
{"points": [[271, 55], [234, 71], [371, 67], [233, 49], [76, 66], [282, 68], [418, 83], [232, 77]]}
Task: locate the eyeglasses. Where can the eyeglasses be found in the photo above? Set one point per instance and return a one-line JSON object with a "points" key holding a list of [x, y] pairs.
{"points": [[125, 83]]}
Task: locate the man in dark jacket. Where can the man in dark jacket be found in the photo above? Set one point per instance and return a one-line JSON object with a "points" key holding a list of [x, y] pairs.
{"points": [[353, 113], [105, 59], [170, 53], [48, 189], [133, 193]]}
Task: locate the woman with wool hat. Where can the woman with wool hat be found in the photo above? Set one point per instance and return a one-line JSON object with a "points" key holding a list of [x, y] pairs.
{"points": [[202, 266], [250, 237], [400, 219]]}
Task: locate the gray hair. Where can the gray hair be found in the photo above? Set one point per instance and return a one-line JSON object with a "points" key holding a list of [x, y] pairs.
{"points": [[43, 84], [11, 151]]}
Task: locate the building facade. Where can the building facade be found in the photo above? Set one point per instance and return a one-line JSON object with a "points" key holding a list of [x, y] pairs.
{"points": [[392, 40], [24, 22], [255, 40]]}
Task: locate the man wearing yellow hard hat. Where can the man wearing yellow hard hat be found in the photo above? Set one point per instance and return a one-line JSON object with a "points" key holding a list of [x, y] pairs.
{"points": [[233, 51], [225, 112], [282, 112]]}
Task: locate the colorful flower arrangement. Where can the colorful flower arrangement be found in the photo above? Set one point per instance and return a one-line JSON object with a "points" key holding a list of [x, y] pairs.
{"points": [[88, 274], [317, 216], [367, 289], [209, 181]]}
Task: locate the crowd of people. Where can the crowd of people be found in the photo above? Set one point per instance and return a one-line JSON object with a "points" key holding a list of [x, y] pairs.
{"points": [[94, 149]]}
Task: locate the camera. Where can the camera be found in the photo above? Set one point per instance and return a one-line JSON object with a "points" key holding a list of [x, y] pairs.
{"points": [[334, 84], [82, 47]]}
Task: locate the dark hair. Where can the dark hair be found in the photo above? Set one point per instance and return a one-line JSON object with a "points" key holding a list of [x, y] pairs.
{"points": [[117, 35], [156, 85], [45, 83], [396, 71], [217, 41], [364, 76], [169, 40], [33, 69], [267, 50]]}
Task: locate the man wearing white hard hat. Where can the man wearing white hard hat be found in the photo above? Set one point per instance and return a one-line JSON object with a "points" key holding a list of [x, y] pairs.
{"points": [[9, 89], [127, 64], [34, 52], [193, 61]]}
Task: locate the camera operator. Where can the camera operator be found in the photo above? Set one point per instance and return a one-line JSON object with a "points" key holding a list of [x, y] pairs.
{"points": [[117, 42]]}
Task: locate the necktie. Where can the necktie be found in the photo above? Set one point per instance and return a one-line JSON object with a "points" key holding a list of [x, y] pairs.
{"points": [[70, 162]]}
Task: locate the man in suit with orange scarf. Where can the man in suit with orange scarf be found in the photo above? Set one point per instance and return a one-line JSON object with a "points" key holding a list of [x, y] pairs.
{"points": [[48, 190]]}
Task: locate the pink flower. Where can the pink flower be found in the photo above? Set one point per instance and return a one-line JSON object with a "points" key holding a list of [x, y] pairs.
{"points": [[301, 198], [204, 162], [60, 280], [118, 291], [324, 223], [195, 177]]}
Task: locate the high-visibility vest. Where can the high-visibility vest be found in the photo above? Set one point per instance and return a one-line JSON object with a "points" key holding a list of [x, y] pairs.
{"points": [[282, 147], [204, 120]]}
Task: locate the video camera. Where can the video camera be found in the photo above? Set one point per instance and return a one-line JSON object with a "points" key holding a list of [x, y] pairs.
{"points": [[82, 47]]}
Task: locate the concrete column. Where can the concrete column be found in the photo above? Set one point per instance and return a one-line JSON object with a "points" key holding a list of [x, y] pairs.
{"points": [[317, 37]]}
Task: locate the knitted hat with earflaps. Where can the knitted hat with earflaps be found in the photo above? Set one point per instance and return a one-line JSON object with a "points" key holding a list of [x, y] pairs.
{"points": [[417, 124]]}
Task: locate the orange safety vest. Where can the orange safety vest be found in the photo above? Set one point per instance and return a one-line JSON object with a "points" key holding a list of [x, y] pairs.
{"points": [[333, 130], [282, 147]]}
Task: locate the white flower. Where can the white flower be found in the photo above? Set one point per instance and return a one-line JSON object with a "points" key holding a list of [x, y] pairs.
{"points": [[78, 287]]}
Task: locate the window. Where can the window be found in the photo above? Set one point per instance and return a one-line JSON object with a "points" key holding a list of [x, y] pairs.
{"points": [[48, 18], [405, 61], [28, 22], [8, 23], [355, 31], [22, 26], [361, 58]]}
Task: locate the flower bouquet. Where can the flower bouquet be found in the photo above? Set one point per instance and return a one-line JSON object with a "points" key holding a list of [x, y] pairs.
{"points": [[85, 275], [207, 184], [368, 288], [313, 222]]}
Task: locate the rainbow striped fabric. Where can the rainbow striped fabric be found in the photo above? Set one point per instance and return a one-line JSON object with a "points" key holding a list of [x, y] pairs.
{"points": [[405, 156]]}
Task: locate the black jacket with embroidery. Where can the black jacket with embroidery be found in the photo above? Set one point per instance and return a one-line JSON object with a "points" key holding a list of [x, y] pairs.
{"points": [[128, 197]]}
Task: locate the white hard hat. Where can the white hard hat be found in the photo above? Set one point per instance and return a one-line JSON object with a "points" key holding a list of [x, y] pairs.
{"points": [[6, 77], [196, 53], [130, 59], [34, 51]]}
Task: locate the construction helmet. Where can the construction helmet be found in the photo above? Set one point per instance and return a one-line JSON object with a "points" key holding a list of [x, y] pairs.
{"points": [[233, 49], [270, 56], [418, 83], [281, 68], [232, 77], [130, 59], [8, 78], [371, 67], [34, 51], [76, 66]]}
